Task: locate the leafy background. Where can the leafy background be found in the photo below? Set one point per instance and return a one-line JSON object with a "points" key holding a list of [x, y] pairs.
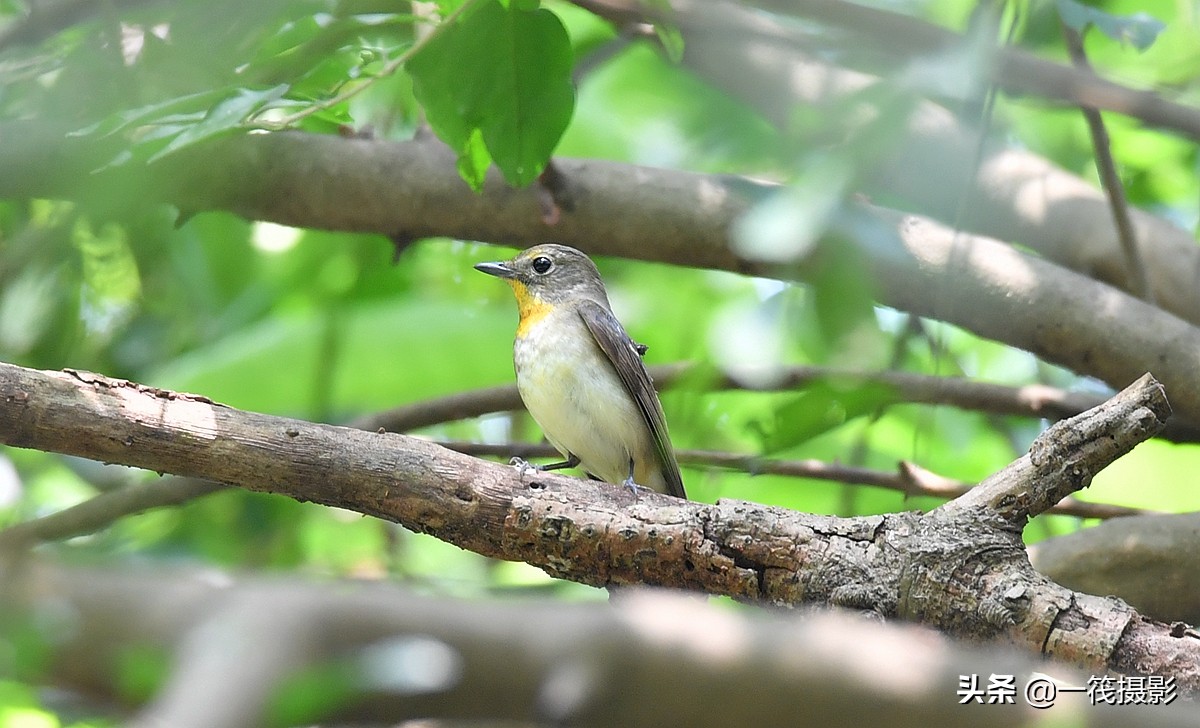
{"points": [[326, 326]]}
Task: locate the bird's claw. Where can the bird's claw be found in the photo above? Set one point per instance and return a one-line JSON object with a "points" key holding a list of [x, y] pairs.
{"points": [[632, 486], [522, 465]]}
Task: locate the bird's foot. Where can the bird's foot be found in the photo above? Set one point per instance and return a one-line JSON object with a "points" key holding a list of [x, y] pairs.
{"points": [[523, 466], [632, 486]]}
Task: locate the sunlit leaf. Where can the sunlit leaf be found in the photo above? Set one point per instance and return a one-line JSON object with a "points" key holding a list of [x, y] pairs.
{"points": [[671, 39], [668, 35]]}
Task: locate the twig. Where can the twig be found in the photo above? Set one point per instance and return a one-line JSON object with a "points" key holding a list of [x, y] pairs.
{"points": [[105, 509], [909, 478], [1031, 400], [1110, 180], [459, 406]]}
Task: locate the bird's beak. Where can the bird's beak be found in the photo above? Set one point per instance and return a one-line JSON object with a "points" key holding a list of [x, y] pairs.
{"points": [[500, 270]]}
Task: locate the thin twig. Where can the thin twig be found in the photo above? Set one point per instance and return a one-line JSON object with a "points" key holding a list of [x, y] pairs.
{"points": [[1109, 179], [909, 479], [105, 509], [1031, 400]]}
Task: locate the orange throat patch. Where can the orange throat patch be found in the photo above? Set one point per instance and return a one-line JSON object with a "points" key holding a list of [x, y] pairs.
{"points": [[530, 308]]}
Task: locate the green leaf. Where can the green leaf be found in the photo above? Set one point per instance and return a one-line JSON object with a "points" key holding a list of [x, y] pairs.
{"points": [[311, 694], [474, 160], [503, 74], [149, 113], [227, 115], [843, 299], [672, 41], [111, 283], [668, 35], [140, 671], [294, 33], [1139, 30]]}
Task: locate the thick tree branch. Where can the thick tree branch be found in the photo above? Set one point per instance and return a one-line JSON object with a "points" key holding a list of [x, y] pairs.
{"points": [[413, 189], [1014, 194], [1028, 400], [1150, 561], [106, 508], [650, 659], [911, 566]]}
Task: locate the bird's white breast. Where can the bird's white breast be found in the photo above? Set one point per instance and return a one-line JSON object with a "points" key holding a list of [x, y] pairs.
{"points": [[572, 391]]}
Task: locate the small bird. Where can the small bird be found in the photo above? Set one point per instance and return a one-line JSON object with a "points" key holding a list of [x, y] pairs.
{"points": [[581, 376]]}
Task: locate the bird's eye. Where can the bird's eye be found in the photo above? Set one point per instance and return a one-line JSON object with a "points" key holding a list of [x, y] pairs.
{"points": [[542, 265]]}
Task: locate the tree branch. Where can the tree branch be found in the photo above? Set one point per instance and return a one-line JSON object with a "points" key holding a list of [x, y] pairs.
{"points": [[103, 510], [1012, 69], [1109, 178], [908, 478], [1066, 457], [907, 565], [650, 659], [1029, 400], [1014, 194], [1150, 562], [913, 264]]}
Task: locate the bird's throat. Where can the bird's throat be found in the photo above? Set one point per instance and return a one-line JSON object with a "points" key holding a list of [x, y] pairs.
{"points": [[530, 308]]}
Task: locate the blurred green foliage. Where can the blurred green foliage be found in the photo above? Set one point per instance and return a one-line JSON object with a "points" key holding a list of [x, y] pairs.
{"points": [[326, 326]]}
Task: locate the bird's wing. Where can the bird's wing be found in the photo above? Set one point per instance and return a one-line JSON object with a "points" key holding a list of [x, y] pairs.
{"points": [[623, 354]]}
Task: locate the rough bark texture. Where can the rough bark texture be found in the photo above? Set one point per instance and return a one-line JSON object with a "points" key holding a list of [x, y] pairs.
{"points": [[962, 569]]}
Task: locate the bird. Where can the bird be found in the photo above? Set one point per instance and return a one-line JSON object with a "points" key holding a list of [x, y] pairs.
{"points": [[580, 375]]}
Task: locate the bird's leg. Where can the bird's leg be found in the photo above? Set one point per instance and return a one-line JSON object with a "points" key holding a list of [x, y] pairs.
{"points": [[523, 465], [628, 482]]}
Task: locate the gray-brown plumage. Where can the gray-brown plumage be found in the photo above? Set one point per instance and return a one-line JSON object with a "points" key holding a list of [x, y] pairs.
{"points": [[581, 376]]}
